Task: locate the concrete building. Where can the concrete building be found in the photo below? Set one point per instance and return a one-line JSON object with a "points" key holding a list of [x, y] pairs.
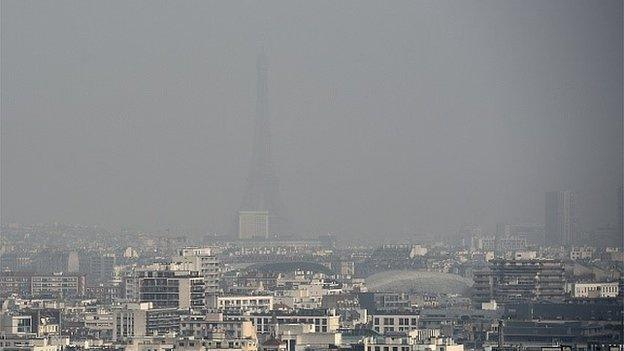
{"points": [[214, 344], [394, 322], [38, 322], [406, 343], [16, 324], [170, 288], [325, 321], [53, 285], [133, 320], [300, 296], [28, 343], [594, 290], [511, 280], [206, 325], [203, 260], [384, 300], [253, 225], [581, 253], [560, 219], [98, 322], [58, 285], [97, 267], [243, 303], [302, 337]]}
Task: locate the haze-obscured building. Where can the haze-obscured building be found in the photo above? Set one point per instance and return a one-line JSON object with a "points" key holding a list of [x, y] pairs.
{"points": [[520, 280], [253, 225], [560, 219]]}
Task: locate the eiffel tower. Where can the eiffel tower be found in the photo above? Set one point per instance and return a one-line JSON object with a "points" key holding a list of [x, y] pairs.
{"points": [[262, 192]]}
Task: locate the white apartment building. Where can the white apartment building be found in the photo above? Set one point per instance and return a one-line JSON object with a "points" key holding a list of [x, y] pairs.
{"points": [[594, 290], [204, 326], [136, 320], [324, 321], [383, 322], [244, 303], [203, 260]]}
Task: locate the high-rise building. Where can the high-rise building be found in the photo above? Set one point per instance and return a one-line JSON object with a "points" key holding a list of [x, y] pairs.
{"points": [[171, 288], [253, 225], [97, 267], [560, 224], [520, 280], [262, 192], [203, 260], [135, 320]]}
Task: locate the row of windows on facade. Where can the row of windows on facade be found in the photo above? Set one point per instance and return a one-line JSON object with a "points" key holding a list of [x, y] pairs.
{"points": [[387, 348], [318, 321], [390, 321], [243, 302]]}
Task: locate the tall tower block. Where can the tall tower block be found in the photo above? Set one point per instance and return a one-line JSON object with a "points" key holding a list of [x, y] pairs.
{"points": [[560, 222]]}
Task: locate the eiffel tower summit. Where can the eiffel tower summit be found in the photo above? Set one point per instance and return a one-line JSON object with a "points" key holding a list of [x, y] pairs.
{"points": [[262, 213]]}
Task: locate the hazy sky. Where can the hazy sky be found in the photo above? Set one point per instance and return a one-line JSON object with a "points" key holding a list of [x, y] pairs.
{"points": [[388, 117]]}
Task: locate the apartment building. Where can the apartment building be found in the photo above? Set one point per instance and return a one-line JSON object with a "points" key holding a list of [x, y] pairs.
{"points": [[133, 320], [394, 321], [243, 303], [594, 290], [519, 280], [323, 320]]}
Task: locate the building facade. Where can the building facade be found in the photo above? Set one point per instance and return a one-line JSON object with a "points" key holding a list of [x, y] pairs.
{"points": [[169, 288], [253, 225], [561, 226], [516, 280]]}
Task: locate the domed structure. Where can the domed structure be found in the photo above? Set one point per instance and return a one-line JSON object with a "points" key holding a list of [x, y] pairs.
{"points": [[418, 281]]}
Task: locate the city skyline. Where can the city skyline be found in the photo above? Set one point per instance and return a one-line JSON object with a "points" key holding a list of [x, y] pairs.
{"points": [[312, 176], [416, 126]]}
